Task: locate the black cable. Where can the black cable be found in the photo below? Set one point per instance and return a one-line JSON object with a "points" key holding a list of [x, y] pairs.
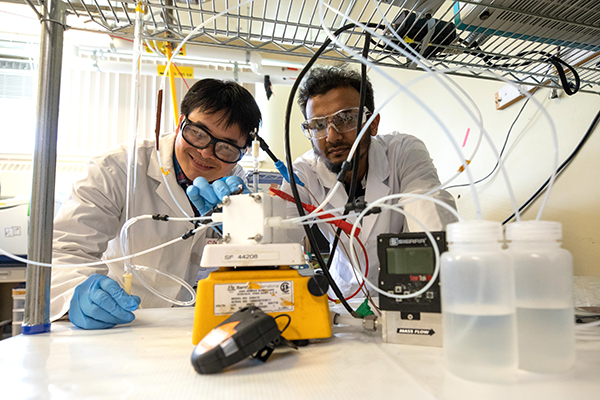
{"points": [[265, 147], [356, 157], [501, 152], [561, 167], [293, 185], [569, 88], [288, 323]]}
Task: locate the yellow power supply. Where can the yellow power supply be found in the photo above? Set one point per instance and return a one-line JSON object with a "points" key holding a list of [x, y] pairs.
{"points": [[274, 291]]}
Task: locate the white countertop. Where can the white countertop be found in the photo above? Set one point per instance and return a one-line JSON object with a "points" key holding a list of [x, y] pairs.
{"points": [[150, 359]]}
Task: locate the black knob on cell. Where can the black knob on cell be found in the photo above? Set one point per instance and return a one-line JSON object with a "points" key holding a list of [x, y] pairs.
{"points": [[318, 285]]}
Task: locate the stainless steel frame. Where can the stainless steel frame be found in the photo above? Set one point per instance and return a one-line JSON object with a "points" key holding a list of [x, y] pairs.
{"points": [[514, 42]]}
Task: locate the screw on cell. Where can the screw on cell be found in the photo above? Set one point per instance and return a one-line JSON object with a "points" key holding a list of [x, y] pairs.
{"points": [[257, 198], [258, 237], [318, 285]]}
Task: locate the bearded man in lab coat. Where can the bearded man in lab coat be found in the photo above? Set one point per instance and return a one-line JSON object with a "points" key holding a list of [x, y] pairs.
{"points": [[389, 164], [217, 118]]}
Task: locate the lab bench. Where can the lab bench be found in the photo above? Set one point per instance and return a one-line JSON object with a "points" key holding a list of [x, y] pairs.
{"points": [[150, 359]]}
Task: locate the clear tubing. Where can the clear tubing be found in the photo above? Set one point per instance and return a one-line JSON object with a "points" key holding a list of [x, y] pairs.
{"points": [[135, 269], [454, 144], [311, 216], [425, 61], [410, 93], [151, 44], [101, 262], [164, 175], [136, 272], [255, 163], [135, 102], [353, 149], [318, 221], [123, 236], [488, 138], [327, 199], [383, 105], [133, 134], [162, 86], [436, 250]]}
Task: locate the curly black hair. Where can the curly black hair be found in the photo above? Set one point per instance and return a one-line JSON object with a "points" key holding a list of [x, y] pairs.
{"points": [[323, 79]]}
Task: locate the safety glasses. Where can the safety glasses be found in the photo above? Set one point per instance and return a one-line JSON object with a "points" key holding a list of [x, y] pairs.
{"points": [[342, 121], [197, 137]]}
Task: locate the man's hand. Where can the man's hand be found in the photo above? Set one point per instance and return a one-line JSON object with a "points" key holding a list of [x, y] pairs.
{"points": [[100, 303], [205, 196]]}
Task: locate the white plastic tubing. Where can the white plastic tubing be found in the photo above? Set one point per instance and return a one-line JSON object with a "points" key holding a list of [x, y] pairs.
{"points": [[402, 88], [411, 54], [422, 63]]}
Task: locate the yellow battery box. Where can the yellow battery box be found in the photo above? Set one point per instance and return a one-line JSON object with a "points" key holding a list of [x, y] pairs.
{"points": [[274, 291]]}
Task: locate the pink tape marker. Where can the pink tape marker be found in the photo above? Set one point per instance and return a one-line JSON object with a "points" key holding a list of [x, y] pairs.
{"points": [[466, 137]]}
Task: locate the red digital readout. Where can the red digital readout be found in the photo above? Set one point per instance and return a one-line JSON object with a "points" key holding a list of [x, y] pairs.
{"points": [[420, 278]]}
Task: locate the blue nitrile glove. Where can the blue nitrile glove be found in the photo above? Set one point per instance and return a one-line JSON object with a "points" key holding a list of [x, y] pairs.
{"points": [[205, 196], [284, 172], [100, 303]]}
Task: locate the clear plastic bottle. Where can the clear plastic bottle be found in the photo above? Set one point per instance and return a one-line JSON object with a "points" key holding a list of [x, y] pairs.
{"points": [[544, 285], [478, 303]]}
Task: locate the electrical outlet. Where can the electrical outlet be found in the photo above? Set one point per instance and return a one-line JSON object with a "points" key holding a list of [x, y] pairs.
{"points": [[510, 94]]}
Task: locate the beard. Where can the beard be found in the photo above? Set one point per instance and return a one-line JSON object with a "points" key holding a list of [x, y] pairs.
{"points": [[336, 166]]}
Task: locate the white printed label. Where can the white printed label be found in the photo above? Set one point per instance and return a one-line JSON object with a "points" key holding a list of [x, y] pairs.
{"points": [[268, 296], [12, 231], [251, 256]]}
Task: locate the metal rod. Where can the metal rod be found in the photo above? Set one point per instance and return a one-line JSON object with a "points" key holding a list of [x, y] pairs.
{"points": [[37, 298]]}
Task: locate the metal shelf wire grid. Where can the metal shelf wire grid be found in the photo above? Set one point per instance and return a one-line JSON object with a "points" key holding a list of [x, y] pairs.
{"points": [[511, 38]]}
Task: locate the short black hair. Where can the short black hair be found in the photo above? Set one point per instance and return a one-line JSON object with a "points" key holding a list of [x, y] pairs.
{"points": [[235, 101], [323, 79]]}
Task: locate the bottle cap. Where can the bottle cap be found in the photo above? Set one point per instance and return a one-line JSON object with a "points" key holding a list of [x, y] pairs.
{"points": [[534, 230], [474, 231]]}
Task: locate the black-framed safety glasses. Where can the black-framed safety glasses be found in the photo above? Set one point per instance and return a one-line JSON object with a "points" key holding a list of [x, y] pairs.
{"points": [[197, 137], [342, 121]]}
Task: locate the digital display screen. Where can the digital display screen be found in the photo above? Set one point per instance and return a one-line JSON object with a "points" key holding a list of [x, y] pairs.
{"points": [[410, 260]]}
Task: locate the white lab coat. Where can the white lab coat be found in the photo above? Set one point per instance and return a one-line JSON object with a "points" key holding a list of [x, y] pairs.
{"points": [[88, 225], [398, 163]]}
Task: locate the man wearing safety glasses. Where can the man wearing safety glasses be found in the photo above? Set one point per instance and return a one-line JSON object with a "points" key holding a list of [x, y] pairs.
{"points": [[200, 158], [388, 164]]}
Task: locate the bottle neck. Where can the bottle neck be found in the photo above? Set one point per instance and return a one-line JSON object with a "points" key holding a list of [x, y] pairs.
{"points": [[475, 246], [518, 244]]}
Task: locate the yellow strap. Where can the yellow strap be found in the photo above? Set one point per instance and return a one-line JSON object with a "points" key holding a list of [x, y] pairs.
{"points": [[462, 167]]}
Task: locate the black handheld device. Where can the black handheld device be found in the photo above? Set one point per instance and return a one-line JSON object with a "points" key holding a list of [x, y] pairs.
{"points": [[248, 332]]}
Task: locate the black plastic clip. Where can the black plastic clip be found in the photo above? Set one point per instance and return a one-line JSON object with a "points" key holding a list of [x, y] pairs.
{"points": [[188, 234]]}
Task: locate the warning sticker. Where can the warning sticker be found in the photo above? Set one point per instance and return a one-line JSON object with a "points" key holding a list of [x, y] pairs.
{"points": [[186, 72], [275, 296]]}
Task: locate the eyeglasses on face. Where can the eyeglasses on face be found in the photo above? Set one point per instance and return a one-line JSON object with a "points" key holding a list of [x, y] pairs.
{"points": [[342, 121], [197, 137]]}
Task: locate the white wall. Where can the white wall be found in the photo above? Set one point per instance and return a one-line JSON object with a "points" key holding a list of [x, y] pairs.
{"points": [[273, 125], [529, 159]]}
